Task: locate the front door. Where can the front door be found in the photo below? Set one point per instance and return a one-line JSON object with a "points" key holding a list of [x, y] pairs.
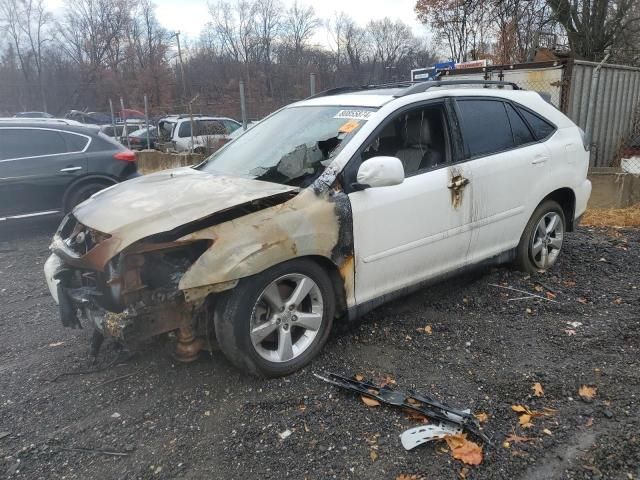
{"points": [[417, 230]]}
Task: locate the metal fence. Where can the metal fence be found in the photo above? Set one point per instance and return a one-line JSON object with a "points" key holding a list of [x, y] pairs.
{"points": [[615, 136]]}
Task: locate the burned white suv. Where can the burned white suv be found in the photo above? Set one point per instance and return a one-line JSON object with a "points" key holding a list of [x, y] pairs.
{"points": [[322, 211]]}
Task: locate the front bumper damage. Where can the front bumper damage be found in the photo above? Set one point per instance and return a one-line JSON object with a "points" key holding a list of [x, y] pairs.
{"points": [[136, 296]]}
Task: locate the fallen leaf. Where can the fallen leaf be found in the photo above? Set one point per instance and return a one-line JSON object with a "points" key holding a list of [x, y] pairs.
{"points": [[587, 392], [525, 421], [538, 288], [589, 422], [369, 402], [529, 311], [506, 444], [547, 431], [582, 300], [569, 331], [374, 455], [456, 441], [551, 295], [416, 416], [404, 476], [413, 401], [537, 389], [520, 409], [618, 301], [465, 450], [428, 330], [464, 472], [513, 438], [387, 380], [359, 377], [481, 417], [569, 283]]}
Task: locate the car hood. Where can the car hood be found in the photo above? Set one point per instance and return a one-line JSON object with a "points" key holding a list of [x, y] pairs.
{"points": [[165, 200]]}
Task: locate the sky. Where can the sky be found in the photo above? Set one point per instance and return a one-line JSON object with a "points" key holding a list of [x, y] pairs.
{"points": [[189, 16]]}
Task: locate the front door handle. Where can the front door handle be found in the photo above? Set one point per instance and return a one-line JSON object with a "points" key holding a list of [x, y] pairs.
{"points": [[457, 182], [71, 169]]}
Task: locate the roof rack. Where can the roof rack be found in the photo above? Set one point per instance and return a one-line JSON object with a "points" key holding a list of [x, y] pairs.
{"points": [[424, 86]]}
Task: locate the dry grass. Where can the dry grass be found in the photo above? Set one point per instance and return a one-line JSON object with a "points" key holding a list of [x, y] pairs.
{"points": [[613, 217]]}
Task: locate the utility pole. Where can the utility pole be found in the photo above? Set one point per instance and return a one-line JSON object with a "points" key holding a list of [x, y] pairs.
{"points": [[184, 80]]}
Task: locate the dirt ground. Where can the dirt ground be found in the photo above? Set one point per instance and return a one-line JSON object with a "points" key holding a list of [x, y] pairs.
{"points": [[205, 420]]}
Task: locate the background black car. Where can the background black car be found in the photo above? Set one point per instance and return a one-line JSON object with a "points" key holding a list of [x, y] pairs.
{"points": [[138, 139], [48, 166]]}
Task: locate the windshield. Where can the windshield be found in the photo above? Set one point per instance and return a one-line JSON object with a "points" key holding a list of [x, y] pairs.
{"points": [[291, 147]]}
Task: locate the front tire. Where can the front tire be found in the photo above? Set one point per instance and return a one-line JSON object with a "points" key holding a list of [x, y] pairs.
{"points": [[277, 321], [542, 239]]}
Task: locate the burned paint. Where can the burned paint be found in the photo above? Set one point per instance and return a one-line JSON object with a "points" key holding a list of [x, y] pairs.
{"points": [[456, 185]]}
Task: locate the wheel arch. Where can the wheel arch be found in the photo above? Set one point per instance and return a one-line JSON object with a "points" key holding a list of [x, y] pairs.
{"points": [[566, 198], [78, 182]]}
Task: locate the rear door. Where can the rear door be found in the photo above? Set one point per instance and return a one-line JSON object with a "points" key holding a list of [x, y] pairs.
{"points": [[36, 167], [507, 172]]}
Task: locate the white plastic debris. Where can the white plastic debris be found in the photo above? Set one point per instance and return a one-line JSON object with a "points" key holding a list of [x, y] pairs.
{"points": [[425, 433], [285, 434]]}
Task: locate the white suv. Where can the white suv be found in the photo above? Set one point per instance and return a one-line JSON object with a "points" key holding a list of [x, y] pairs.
{"points": [[209, 134], [322, 211]]}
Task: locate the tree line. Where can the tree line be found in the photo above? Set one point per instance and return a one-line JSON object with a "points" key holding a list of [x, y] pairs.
{"points": [[96, 50]]}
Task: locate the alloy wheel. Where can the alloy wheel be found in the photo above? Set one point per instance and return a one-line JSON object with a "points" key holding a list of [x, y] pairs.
{"points": [[546, 241], [286, 318]]}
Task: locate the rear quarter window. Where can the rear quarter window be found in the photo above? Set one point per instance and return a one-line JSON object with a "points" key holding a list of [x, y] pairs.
{"points": [[30, 142], [540, 127]]}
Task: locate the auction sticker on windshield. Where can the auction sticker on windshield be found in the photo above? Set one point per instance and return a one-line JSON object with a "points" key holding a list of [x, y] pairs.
{"points": [[354, 114], [349, 127]]}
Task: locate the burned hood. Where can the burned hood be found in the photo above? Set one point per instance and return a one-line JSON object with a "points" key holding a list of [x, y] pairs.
{"points": [[165, 200]]}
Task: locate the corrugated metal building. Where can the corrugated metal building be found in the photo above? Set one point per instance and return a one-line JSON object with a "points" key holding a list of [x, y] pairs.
{"points": [[567, 85]]}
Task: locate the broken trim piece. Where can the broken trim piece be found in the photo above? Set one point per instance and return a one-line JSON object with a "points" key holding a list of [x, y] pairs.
{"points": [[412, 400]]}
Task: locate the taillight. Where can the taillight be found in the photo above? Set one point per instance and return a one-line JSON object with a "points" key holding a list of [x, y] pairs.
{"points": [[125, 156]]}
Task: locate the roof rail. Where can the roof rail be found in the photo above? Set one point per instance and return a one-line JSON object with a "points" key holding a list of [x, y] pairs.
{"points": [[424, 86], [64, 121], [339, 90]]}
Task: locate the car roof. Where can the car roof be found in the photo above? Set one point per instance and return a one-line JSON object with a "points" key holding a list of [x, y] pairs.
{"points": [[57, 123], [379, 95]]}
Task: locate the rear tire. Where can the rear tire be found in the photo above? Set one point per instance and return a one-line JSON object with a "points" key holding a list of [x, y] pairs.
{"points": [[82, 192], [277, 321], [542, 239]]}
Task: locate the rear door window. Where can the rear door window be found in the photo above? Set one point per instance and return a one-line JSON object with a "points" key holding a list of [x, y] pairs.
{"points": [[540, 127], [485, 126], [30, 142], [75, 143], [210, 127], [231, 126]]}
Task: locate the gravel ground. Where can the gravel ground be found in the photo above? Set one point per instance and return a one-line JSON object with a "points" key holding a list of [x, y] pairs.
{"points": [[205, 420]]}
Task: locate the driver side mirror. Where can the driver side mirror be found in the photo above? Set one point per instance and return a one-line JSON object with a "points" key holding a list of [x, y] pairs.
{"points": [[379, 172]]}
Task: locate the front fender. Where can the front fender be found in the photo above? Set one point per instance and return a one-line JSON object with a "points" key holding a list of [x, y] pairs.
{"points": [[306, 225]]}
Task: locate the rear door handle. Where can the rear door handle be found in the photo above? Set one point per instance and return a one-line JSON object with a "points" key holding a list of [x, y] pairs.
{"points": [[539, 159], [71, 169]]}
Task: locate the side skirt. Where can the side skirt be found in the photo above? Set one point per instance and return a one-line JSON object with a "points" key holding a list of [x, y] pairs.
{"points": [[358, 310]]}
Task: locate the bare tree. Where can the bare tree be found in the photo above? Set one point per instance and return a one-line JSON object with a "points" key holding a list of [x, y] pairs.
{"points": [[26, 22], [236, 29], [593, 26], [392, 41], [300, 24], [268, 19], [461, 23]]}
